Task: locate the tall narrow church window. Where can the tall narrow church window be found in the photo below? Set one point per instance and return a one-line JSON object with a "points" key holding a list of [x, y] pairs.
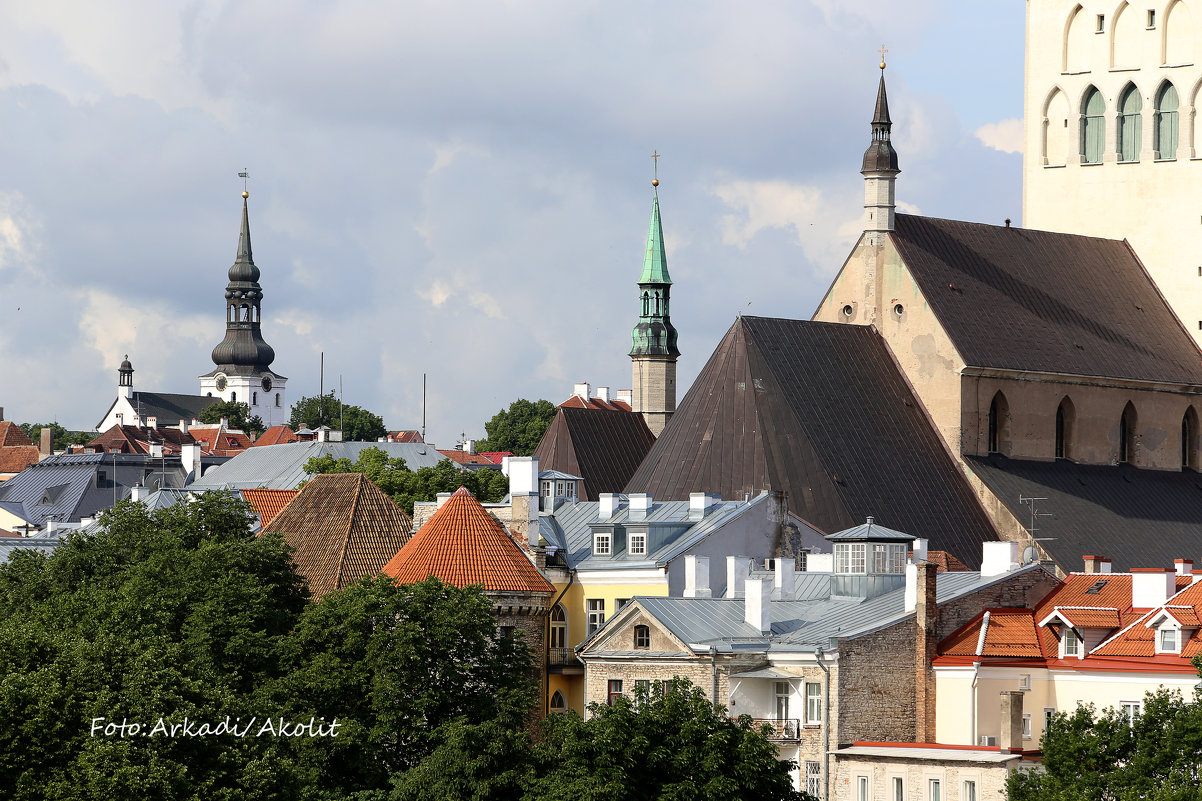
{"points": [[1130, 124], [1093, 127], [277, 399], [657, 307], [1189, 440], [254, 399], [646, 304], [1127, 434], [233, 397], [1065, 417], [999, 412], [1166, 122]]}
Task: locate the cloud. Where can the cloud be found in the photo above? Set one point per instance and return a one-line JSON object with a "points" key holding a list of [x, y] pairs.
{"points": [[1004, 135]]}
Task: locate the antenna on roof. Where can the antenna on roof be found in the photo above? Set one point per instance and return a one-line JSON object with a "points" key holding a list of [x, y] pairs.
{"points": [[1035, 515]]}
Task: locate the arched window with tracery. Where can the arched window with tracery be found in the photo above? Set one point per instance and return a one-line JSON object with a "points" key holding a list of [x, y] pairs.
{"points": [[1131, 124], [559, 627], [1167, 124], [558, 702], [1093, 127]]}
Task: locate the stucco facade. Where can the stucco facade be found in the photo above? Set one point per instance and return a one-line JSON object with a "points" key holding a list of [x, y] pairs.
{"points": [[1149, 200]]}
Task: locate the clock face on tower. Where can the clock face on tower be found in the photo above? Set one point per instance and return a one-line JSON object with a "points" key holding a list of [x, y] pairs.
{"points": [[267, 383], [221, 383]]}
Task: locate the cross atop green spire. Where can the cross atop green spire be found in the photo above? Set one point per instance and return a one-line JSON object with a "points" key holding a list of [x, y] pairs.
{"points": [[655, 263]]}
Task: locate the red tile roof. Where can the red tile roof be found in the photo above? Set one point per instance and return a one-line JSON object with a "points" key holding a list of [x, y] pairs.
{"points": [[946, 562], [463, 457], [220, 442], [15, 458], [276, 435], [268, 503], [577, 402], [1010, 633], [342, 527], [404, 436], [11, 435], [464, 545]]}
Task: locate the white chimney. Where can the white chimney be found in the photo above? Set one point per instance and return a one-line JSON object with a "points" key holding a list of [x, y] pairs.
{"points": [[696, 576], [608, 505], [699, 503], [183, 426], [152, 422], [1151, 586], [523, 475], [998, 558], [757, 604], [737, 569], [225, 422], [920, 550], [1183, 567], [189, 455], [624, 396], [442, 498], [469, 446], [911, 595], [784, 582], [138, 492], [603, 394], [581, 390], [640, 504]]}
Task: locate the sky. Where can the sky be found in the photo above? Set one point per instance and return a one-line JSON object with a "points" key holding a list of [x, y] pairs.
{"points": [[459, 189]]}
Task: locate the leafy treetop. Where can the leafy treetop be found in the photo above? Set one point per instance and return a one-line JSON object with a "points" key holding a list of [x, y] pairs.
{"points": [[519, 428], [356, 424], [61, 437]]}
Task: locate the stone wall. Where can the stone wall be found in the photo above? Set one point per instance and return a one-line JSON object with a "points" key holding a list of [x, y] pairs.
{"points": [[916, 775]]}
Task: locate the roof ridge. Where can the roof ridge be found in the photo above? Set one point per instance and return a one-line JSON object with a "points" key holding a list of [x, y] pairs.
{"points": [[350, 526]]}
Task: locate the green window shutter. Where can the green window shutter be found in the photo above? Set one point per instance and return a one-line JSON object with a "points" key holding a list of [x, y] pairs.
{"points": [[1130, 125], [1167, 123], [1093, 128]]}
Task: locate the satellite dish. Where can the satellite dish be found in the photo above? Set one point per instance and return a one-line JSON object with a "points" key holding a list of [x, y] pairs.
{"points": [[1030, 554]]}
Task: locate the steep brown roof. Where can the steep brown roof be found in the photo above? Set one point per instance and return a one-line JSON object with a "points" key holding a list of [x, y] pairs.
{"points": [[822, 412], [11, 435], [138, 439], [464, 545], [342, 527], [602, 446], [276, 435], [268, 503], [1020, 299], [15, 458]]}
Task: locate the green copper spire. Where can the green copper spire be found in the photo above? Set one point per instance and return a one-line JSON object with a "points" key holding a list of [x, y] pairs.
{"points": [[654, 334], [655, 264]]}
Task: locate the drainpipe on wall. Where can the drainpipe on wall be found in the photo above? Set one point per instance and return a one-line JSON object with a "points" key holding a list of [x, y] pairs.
{"points": [[826, 711]]}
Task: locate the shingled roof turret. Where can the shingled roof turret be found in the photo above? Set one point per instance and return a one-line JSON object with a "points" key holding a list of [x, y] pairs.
{"points": [[462, 544]]}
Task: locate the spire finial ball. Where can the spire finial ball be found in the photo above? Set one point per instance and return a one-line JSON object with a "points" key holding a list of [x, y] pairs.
{"points": [[655, 182], [882, 65], [245, 194]]}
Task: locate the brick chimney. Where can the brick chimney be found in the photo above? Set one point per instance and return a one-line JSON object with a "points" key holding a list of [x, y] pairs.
{"points": [[46, 446], [1010, 738], [1096, 564], [926, 618]]}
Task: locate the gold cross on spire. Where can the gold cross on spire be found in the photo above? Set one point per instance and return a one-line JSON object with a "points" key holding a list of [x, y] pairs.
{"points": [[883, 52], [655, 167], [244, 175]]}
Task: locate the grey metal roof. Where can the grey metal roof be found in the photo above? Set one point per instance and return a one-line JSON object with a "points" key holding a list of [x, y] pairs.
{"points": [[45, 543], [797, 625], [871, 531], [283, 466], [558, 474], [932, 753], [168, 407]]}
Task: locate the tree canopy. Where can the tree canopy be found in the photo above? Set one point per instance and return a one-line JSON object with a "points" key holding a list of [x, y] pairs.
{"points": [[357, 425], [61, 437], [182, 618], [676, 745], [238, 414], [406, 486], [519, 428], [1109, 756]]}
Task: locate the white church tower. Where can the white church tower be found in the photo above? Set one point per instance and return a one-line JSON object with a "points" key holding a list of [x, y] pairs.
{"points": [[244, 358], [1111, 143]]}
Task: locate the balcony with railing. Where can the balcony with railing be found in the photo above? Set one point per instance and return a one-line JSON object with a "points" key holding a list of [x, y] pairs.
{"points": [[785, 729], [563, 658]]}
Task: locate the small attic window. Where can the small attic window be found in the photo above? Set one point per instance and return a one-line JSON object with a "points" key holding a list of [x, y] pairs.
{"points": [[1168, 641], [601, 543], [1097, 587]]}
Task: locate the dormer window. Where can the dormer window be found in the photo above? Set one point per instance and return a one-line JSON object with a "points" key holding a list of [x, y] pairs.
{"points": [[638, 544], [1168, 641], [1070, 644], [601, 543]]}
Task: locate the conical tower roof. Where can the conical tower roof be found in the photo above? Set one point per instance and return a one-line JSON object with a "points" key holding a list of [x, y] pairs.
{"points": [[821, 412], [342, 527], [462, 544], [243, 351], [655, 263], [880, 155]]}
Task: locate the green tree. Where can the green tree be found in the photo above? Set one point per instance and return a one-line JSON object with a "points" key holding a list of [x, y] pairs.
{"points": [[406, 486], [519, 428], [357, 425], [238, 414], [674, 746], [1105, 755], [61, 437]]}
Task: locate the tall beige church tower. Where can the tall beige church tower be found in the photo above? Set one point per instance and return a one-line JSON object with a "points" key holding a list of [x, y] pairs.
{"points": [[1112, 147]]}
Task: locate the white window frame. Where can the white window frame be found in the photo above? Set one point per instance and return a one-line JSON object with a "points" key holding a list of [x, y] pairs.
{"points": [[1131, 710], [545, 486], [596, 615], [1166, 629], [968, 790], [1027, 726], [812, 778], [638, 543], [934, 790], [1069, 635], [899, 788], [862, 788], [602, 543], [1048, 711], [813, 692]]}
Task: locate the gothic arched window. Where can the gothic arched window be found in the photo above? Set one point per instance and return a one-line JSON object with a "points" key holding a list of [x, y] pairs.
{"points": [[1130, 124], [1167, 124], [1093, 127], [999, 417], [1127, 424], [558, 702], [646, 304], [559, 627], [1065, 417]]}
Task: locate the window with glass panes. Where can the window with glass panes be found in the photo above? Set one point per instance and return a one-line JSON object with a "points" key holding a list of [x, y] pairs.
{"points": [[601, 541], [596, 614], [614, 691], [1130, 124], [1093, 127], [1166, 122], [813, 702], [638, 544]]}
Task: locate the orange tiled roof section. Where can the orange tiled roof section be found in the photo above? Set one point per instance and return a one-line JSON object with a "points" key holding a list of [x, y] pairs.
{"points": [[268, 503], [12, 435], [1091, 618], [946, 562], [1010, 633], [276, 435], [15, 458], [577, 402], [463, 544], [342, 527]]}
